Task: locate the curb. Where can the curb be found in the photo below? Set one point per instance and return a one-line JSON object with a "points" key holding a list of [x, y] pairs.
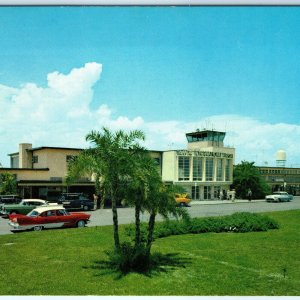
{"points": [[210, 202]]}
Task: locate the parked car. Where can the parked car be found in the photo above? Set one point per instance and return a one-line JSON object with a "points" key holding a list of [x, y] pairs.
{"points": [[47, 217], [279, 196], [24, 207], [182, 199], [8, 199], [76, 201]]}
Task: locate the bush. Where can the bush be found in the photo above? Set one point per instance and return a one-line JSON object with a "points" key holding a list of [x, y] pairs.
{"points": [[129, 258], [237, 222]]}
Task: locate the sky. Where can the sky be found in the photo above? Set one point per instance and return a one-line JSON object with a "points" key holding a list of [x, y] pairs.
{"points": [[65, 71]]}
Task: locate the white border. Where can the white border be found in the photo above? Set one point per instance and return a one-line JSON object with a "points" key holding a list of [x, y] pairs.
{"points": [[151, 2]]}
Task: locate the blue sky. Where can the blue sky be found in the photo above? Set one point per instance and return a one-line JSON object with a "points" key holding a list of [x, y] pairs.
{"points": [[165, 70]]}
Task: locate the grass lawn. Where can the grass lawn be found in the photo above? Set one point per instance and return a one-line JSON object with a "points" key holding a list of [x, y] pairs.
{"points": [[68, 262]]}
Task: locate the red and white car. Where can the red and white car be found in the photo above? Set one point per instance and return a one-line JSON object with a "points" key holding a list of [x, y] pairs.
{"points": [[48, 216]]}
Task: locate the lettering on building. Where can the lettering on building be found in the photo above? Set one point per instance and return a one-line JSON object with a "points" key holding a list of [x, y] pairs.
{"points": [[203, 154]]}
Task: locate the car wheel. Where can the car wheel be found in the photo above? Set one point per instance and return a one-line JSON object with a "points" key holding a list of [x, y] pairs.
{"points": [[85, 208], [38, 228], [13, 212], [80, 224]]}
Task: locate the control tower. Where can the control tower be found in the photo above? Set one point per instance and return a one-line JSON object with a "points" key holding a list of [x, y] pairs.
{"points": [[205, 138]]}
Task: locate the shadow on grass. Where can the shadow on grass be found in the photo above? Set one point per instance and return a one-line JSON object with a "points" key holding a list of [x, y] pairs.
{"points": [[159, 263]]}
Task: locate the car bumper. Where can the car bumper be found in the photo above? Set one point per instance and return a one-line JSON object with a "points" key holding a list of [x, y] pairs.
{"points": [[17, 227]]}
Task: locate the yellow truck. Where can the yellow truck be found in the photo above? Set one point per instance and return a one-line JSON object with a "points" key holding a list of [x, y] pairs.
{"points": [[182, 199]]}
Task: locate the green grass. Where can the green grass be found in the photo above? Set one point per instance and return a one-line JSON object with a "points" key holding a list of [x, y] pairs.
{"points": [[70, 262]]}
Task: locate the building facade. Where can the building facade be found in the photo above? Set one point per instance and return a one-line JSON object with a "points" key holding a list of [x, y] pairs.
{"points": [[204, 169], [40, 172], [282, 178]]}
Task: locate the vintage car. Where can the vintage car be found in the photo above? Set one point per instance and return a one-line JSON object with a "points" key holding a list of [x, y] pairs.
{"points": [[46, 217], [279, 196], [182, 199], [24, 207], [9, 199], [76, 201]]}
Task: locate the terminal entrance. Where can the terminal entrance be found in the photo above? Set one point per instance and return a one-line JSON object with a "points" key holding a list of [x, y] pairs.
{"points": [[207, 193], [196, 192]]}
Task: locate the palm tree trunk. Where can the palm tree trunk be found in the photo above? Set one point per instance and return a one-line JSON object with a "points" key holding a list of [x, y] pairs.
{"points": [[137, 223], [115, 219], [150, 232]]}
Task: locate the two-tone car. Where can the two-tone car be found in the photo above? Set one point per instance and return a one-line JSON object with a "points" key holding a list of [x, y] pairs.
{"points": [[48, 217], [279, 196], [24, 207]]}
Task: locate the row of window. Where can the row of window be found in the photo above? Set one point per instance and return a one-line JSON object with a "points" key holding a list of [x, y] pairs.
{"points": [[279, 171], [287, 179], [185, 162]]}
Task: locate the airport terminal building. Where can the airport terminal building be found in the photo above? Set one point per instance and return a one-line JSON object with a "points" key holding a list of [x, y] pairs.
{"points": [[204, 169]]}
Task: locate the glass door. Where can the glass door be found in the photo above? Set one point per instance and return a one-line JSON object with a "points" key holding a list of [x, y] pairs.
{"points": [[196, 192], [207, 192]]}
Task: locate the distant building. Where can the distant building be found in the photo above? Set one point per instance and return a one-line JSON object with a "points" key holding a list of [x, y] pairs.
{"points": [[282, 178]]}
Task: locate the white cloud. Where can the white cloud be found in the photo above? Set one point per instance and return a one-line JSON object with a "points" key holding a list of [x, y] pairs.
{"points": [[60, 115]]}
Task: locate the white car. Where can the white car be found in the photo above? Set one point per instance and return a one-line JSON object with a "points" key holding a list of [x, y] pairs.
{"points": [[279, 196]]}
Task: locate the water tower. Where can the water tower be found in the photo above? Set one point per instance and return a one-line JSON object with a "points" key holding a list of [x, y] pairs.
{"points": [[280, 158]]}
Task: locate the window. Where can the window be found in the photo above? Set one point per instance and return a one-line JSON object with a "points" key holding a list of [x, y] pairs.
{"points": [[183, 168], [227, 170], [70, 158], [209, 169], [219, 170], [197, 168], [35, 159]]}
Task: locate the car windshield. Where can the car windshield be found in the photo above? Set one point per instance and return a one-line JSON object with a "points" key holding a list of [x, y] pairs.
{"points": [[33, 213]]}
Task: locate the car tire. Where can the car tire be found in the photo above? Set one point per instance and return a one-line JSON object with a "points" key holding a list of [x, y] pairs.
{"points": [[80, 224], [85, 208], [13, 212], [37, 228]]}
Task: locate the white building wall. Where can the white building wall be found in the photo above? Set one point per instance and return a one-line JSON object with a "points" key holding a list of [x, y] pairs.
{"points": [[169, 166], [207, 189]]}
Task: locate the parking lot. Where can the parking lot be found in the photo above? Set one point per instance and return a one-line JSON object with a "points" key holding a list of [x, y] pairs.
{"points": [[102, 217]]}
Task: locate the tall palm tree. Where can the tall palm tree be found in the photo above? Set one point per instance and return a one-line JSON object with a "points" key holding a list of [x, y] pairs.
{"points": [[110, 159]]}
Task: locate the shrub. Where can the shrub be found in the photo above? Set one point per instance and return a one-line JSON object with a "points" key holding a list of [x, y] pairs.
{"points": [[129, 258], [237, 222]]}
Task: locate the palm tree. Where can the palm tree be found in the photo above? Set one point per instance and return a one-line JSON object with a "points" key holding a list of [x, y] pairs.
{"points": [[245, 176], [110, 159], [146, 192]]}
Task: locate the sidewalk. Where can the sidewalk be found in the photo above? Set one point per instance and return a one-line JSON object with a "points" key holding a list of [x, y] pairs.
{"points": [[198, 202]]}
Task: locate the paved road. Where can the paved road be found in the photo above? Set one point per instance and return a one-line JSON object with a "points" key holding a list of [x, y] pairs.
{"points": [[198, 209]]}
